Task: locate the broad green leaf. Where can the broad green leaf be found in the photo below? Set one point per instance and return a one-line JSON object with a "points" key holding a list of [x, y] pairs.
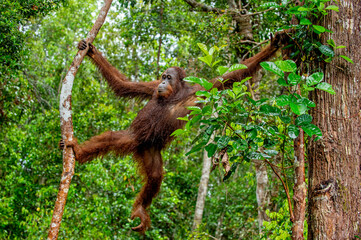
{"points": [[281, 81], [332, 7], [206, 84], [293, 131], [303, 9], [207, 110], [311, 130], [325, 87], [283, 100], [305, 21], [285, 119], [192, 79], [286, 66], [237, 67], [314, 78], [222, 70], [271, 152], [211, 149], [346, 58], [319, 28], [326, 50], [293, 79], [231, 94], [223, 142], [270, 110], [298, 108], [303, 120], [211, 50], [195, 109], [203, 94], [203, 48], [270, 66], [207, 59]]}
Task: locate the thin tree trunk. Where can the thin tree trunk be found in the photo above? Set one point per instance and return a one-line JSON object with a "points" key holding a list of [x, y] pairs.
{"points": [[335, 160], [299, 189], [67, 126], [202, 190], [261, 192]]}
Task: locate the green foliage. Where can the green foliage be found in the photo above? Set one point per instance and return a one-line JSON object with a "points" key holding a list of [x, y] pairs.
{"points": [[36, 49], [279, 226]]}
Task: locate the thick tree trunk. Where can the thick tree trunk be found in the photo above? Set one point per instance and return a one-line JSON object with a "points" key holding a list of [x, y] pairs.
{"points": [[202, 190], [335, 160]]}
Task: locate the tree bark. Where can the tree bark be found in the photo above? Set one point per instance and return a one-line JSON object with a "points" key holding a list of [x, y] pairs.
{"points": [[335, 160], [262, 193], [202, 190], [299, 189], [67, 126]]}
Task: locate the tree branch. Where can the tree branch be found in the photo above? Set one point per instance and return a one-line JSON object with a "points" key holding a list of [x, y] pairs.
{"points": [[203, 7], [67, 126]]}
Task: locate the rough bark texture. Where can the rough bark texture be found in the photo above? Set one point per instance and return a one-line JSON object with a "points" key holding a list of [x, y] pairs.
{"points": [[299, 189], [202, 190], [335, 161], [67, 126]]}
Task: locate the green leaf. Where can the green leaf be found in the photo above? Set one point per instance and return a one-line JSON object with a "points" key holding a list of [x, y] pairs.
{"points": [[298, 108], [346, 58], [203, 94], [314, 78], [286, 119], [270, 66], [207, 59], [195, 149], [177, 132], [283, 100], [211, 50], [341, 46], [332, 7], [207, 110], [319, 28], [303, 120], [207, 85], [305, 21], [326, 50], [237, 67], [282, 82], [222, 70], [192, 79], [270, 110], [215, 62], [211, 149], [294, 79], [303, 9], [293, 131], [195, 109], [331, 42], [286, 66], [311, 130], [203, 48], [223, 142], [325, 87], [271, 152]]}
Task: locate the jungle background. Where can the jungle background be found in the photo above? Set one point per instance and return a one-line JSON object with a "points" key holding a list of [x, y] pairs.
{"points": [[142, 39]]}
